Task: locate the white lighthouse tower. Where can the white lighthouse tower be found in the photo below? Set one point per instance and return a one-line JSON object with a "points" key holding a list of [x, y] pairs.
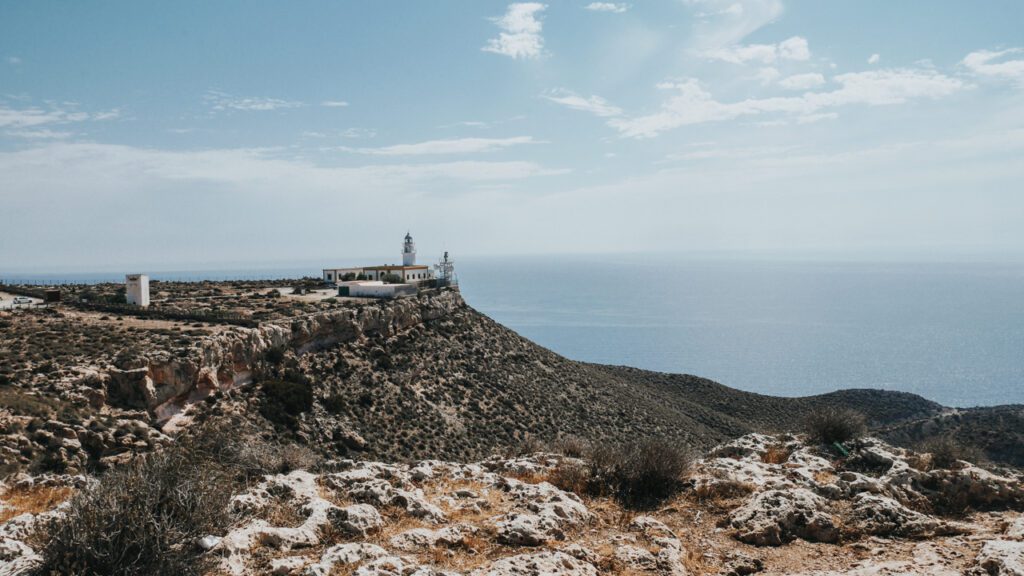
{"points": [[408, 251]]}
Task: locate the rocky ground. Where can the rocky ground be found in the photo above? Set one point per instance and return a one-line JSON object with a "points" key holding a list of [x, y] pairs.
{"points": [[760, 504]]}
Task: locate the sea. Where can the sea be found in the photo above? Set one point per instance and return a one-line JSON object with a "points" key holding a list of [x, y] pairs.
{"points": [[951, 332]]}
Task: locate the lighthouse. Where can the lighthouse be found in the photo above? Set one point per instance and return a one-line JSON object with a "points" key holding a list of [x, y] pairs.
{"points": [[408, 251]]}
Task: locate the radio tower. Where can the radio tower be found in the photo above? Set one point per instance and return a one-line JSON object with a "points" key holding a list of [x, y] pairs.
{"points": [[446, 272]]}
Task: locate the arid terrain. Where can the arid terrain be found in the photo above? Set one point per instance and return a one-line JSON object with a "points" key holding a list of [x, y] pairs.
{"points": [[418, 436]]}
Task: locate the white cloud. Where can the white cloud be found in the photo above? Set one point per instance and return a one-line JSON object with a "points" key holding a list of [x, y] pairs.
{"points": [[802, 81], [334, 104], [722, 23], [35, 116], [794, 48], [40, 134], [812, 118], [994, 64], [358, 133], [221, 101], [874, 59], [450, 146], [616, 7], [13, 60], [768, 74], [521, 28], [594, 104], [692, 104]]}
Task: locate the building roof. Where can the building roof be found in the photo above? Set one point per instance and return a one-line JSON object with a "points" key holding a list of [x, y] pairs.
{"points": [[416, 267]]}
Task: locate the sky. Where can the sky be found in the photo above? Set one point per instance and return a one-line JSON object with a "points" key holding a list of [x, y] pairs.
{"points": [[179, 134]]}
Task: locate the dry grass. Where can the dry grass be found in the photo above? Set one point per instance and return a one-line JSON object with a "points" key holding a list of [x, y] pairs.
{"points": [[33, 500], [528, 477], [776, 454], [825, 477], [281, 513], [571, 476], [721, 492]]}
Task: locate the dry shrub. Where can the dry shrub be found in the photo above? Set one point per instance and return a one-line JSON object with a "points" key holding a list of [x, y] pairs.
{"points": [[529, 444], [146, 516], [639, 475], [571, 476], [946, 453], [829, 425], [776, 454], [571, 446], [722, 490]]}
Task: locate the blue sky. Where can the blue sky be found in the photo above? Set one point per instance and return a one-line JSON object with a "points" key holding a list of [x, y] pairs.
{"points": [[187, 133]]}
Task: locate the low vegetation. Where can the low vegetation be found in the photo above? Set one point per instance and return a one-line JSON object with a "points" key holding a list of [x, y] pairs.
{"points": [[146, 516], [830, 425], [639, 475], [947, 453]]}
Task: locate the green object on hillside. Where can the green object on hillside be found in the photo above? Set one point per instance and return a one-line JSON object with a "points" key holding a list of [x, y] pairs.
{"points": [[842, 450]]}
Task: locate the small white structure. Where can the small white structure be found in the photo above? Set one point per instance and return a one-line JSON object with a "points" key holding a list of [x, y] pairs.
{"points": [[374, 289], [137, 289]]}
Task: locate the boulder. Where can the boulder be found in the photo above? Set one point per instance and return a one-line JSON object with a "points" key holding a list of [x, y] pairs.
{"points": [[357, 519], [882, 516], [775, 517], [515, 529]]}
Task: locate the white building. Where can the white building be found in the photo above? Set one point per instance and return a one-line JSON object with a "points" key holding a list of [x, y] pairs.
{"points": [[408, 272], [374, 289], [136, 289]]}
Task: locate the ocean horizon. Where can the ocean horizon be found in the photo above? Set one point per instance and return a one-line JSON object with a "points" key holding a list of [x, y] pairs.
{"points": [[951, 332]]}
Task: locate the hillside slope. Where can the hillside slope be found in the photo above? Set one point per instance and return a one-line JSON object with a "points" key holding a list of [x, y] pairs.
{"points": [[424, 377], [462, 385]]}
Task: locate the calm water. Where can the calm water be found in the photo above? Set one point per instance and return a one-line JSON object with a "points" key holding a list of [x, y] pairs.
{"points": [[950, 332]]}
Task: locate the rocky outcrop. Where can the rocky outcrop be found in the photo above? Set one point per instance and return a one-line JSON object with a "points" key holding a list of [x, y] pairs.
{"points": [[1001, 558], [775, 517], [505, 517], [164, 384]]}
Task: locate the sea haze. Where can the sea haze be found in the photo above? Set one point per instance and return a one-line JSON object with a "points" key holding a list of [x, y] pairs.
{"points": [[953, 333]]}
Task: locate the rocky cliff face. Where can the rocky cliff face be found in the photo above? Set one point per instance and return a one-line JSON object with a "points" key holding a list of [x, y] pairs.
{"points": [[164, 384]]}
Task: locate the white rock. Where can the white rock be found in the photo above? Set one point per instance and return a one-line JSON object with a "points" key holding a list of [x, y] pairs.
{"points": [[209, 542], [882, 516], [1001, 558], [538, 564], [286, 565], [777, 516], [516, 529], [635, 557], [358, 519], [420, 538], [343, 554]]}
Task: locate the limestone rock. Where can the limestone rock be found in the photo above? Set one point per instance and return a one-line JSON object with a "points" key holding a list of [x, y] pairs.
{"points": [[357, 519], [344, 554], [775, 517], [538, 564], [1001, 558], [527, 529], [882, 516]]}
